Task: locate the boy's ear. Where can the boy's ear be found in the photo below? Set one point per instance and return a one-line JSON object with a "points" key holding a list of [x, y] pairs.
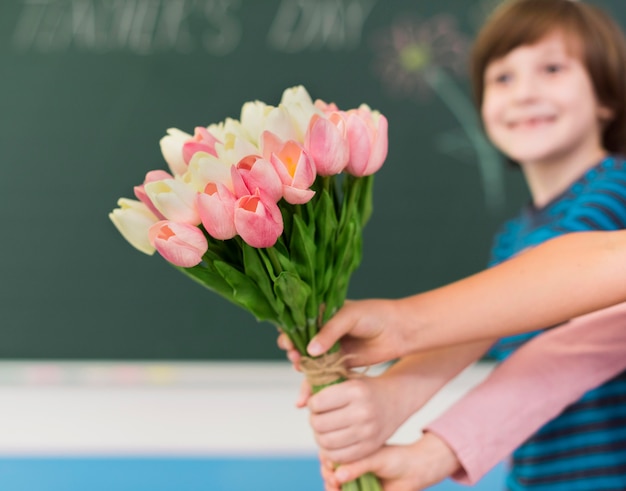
{"points": [[605, 114]]}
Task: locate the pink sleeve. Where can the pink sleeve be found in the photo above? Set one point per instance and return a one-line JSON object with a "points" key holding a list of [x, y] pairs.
{"points": [[531, 387]]}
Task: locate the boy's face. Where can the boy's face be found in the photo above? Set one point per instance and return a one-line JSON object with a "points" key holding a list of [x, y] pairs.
{"points": [[539, 105]]}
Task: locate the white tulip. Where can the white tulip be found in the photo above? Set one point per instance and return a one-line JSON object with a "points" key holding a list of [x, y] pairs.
{"points": [[298, 104], [172, 150], [175, 199], [133, 219]]}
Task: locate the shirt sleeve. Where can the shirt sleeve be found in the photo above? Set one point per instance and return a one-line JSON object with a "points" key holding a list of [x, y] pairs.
{"points": [[531, 387]]}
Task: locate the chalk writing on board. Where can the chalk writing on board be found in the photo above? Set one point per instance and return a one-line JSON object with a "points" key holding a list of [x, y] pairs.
{"points": [[145, 27], [137, 26], [301, 25]]}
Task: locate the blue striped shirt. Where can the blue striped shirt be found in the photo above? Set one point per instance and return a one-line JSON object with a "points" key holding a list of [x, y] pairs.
{"points": [[584, 448]]}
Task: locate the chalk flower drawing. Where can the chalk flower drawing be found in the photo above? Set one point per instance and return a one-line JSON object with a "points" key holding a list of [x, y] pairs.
{"points": [[416, 58]]}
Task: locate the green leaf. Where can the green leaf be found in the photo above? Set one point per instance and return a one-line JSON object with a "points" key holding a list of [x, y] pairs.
{"points": [[325, 233], [246, 292], [228, 251], [284, 259], [302, 249], [294, 293], [347, 243], [255, 269], [366, 202], [357, 256], [209, 278], [287, 212]]}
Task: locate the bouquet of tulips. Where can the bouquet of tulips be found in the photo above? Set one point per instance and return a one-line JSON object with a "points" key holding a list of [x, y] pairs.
{"points": [[268, 212]]}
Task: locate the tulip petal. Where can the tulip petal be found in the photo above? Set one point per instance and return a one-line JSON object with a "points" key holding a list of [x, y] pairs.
{"points": [[326, 143], [258, 222], [172, 150], [181, 244], [258, 173], [253, 117], [297, 102], [203, 141], [217, 211], [270, 144], [280, 123], [190, 148], [205, 168], [379, 151], [140, 192], [360, 145], [295, 169], [297, 196], [133, 220], [367, 135], [175, 200], [304, 175]]}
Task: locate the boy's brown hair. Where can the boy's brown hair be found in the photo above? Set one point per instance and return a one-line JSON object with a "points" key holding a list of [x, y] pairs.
{"points": [[590, 31]]}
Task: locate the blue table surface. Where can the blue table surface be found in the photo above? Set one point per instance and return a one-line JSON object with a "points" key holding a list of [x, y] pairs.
{"points": [[179, 474]]}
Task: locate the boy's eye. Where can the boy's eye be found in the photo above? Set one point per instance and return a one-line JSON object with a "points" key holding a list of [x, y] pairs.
{"points": [[498, 77], [553, 67], [502, 78]]}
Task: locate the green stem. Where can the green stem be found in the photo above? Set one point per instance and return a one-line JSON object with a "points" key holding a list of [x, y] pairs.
{"points": [[367, 482], [326, 182], [311, 328], [351, 197], [310, 211], [299, 343], [297, 210], [271, 253]]}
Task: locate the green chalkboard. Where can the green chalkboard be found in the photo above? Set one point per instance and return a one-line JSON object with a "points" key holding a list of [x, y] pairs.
{"points": [[87, 89]]}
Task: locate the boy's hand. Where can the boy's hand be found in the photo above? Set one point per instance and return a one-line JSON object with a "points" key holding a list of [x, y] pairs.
{"points": [[399, 467], [370, 330]]}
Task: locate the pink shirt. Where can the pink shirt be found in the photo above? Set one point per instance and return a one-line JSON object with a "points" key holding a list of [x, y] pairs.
{"points": [[531, 387]]}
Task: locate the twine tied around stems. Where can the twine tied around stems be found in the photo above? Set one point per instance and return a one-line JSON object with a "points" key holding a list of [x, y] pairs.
{"points": [[326, 369]]}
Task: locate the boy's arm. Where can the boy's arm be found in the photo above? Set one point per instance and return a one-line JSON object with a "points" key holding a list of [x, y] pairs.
{"points": [[565, 277], [531, 387]]}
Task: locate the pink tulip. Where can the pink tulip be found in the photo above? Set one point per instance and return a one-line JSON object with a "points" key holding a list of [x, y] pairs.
{"points": [[293, 165], [367, 136], [258, 221], [140, 192], [325, 107], [203, 141], [326, 142], [181, 244], [217, 211], [254, 173]]}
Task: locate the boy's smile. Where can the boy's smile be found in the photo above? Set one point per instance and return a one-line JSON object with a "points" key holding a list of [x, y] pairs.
{"points": [[540, 109], [530, 121]]}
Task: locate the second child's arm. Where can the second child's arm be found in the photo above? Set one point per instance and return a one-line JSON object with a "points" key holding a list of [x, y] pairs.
{"points": [[524, 392], [531, 387], [352, 419]]}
